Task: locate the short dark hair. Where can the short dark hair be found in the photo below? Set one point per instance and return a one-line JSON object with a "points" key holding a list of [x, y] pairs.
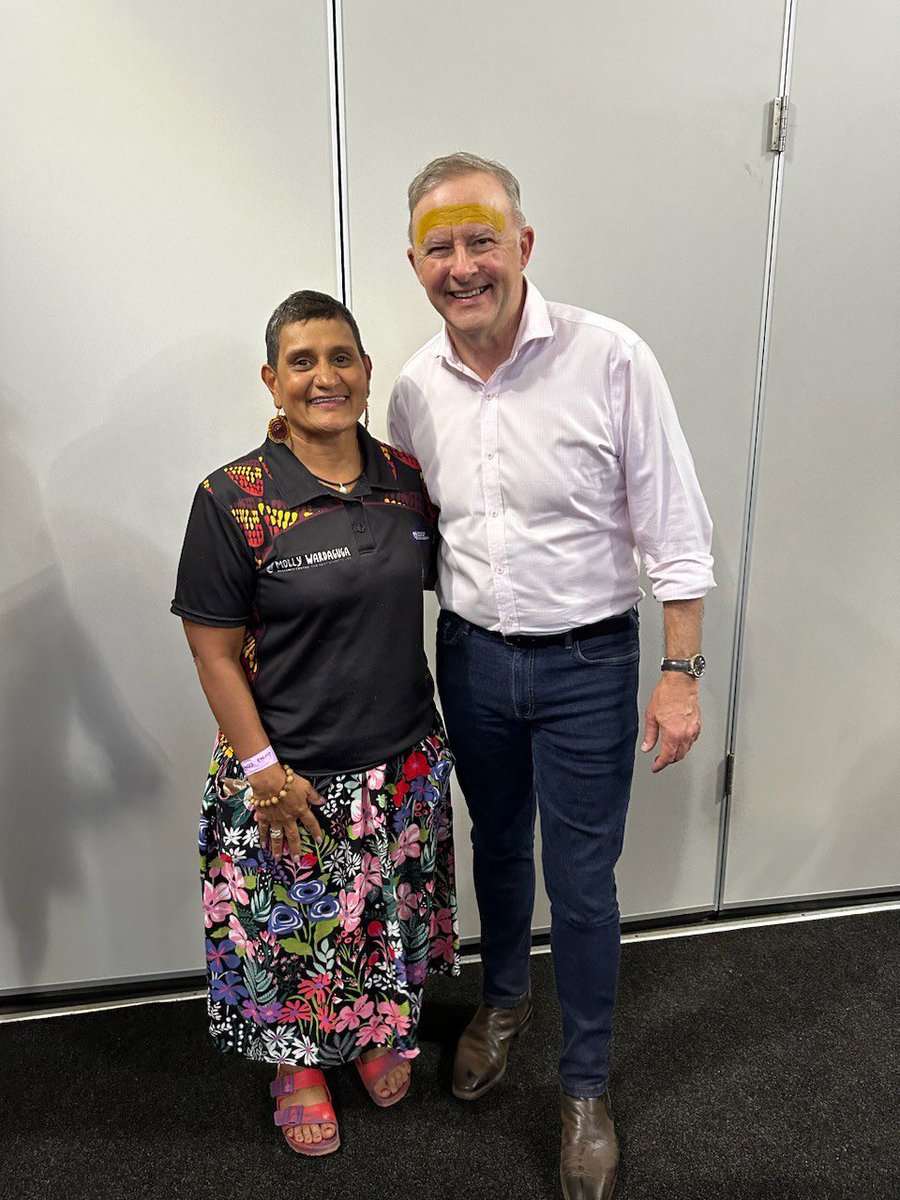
{"points": [[306, 306]]}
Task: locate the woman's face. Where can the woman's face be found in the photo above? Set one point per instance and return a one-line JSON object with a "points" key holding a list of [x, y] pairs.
{"points": [[322, 380]]}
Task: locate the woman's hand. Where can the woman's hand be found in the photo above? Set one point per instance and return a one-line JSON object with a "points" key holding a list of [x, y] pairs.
{"points": [[293, 806]]}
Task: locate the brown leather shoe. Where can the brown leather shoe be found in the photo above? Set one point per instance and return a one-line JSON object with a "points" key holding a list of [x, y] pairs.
{"points": [[483, 1049], [589, 1162]]}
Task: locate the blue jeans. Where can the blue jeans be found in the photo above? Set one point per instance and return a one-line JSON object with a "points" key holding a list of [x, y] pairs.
{"points": [[554, 727]]}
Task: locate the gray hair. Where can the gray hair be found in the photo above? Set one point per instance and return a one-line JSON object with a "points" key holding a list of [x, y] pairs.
{"points": [[454, 166]]}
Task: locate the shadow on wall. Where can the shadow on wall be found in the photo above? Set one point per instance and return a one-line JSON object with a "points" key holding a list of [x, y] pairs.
{"points": [[73, 757]]}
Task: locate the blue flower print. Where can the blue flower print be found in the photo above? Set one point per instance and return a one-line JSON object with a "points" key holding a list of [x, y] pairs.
{"points": [[203, 833], [226, 988], [283, 919], [324, 909], [306, 893], [221, 954]]}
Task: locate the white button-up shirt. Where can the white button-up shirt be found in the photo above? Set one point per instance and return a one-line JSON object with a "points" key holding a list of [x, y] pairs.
{"points": [[556, 476]]}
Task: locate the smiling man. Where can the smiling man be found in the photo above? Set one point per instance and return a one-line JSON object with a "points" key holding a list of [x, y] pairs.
{"points": [[549, 442]]}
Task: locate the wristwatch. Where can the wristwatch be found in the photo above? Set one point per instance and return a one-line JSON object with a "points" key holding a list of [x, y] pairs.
{"points": [[695, 665]]}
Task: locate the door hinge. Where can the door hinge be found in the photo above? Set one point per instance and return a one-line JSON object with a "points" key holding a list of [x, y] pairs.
{"points": [[729, 774], [778, 126]]}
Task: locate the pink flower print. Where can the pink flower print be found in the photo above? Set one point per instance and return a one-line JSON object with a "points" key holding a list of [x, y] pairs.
{"points": [[352, 1016], [317, 988], [374, 1032], [442, 948], [369, 877], [296, 1010], [407, 845], [441, 921], [234, 881], [407, 901], [237, 933], [216, 904], [352, 905], [393, 1016], [326, 1020], [375, 778], [365, 818]]}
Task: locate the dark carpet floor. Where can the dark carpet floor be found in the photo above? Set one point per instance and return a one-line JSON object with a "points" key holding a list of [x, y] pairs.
{"points": [[751, 1065]]}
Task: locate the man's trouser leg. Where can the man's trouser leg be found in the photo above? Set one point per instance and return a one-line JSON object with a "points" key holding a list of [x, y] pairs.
{"points": [[479, 681], [584, 733]]}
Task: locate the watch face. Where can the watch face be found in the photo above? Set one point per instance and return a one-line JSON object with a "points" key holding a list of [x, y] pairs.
{"points": [[698, 663]]}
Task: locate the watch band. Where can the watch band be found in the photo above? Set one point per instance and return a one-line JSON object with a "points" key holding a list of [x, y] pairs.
{"points": [[694, 666]]}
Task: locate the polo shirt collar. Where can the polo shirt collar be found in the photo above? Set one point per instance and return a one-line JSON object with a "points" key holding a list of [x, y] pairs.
{"points": [[534, 326], [298, 485]]}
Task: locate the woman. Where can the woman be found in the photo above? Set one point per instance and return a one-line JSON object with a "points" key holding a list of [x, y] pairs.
{"points": [[325, 836]]}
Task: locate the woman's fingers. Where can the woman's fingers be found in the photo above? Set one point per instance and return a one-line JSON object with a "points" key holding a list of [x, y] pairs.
{"points": [[276, 841], [310, 824], [292, 837]]}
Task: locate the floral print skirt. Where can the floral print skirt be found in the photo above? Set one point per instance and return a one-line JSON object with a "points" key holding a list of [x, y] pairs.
{"points": [[315, 961]]}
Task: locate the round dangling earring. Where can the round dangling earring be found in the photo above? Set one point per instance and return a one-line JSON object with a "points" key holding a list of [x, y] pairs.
{"points": [[279, 429]]}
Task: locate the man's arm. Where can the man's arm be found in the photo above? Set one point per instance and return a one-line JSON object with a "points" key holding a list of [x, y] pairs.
{"points": [[674, 709]]}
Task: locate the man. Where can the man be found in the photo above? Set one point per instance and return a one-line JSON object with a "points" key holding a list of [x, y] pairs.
{"points": [[550, 444]]}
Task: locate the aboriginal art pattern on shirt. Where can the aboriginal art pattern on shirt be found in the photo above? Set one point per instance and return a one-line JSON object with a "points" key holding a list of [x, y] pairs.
{"points": [[314, 961]]}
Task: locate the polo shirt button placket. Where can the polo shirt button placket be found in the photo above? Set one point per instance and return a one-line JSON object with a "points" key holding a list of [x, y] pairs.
{"points": [[359, 525]]}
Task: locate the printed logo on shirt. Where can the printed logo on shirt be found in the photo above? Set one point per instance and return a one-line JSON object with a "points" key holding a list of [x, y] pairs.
{"points": [[302, 562], [421, 536]]}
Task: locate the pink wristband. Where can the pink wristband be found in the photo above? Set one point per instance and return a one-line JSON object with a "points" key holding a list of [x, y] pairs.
{"points": [[259, 762]]}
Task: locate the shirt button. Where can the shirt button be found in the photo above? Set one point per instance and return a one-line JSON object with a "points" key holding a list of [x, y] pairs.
{"points": [[489, 456], [494, 513], [499, 570], [360, 528]]}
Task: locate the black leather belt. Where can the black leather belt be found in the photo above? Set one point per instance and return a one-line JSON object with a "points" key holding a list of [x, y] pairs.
{"points": [[526, 640]]}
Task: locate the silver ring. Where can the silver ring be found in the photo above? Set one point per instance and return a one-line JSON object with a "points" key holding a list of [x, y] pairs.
{"points": [[276, 833]]}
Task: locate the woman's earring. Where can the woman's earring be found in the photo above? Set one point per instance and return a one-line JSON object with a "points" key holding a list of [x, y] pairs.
{"points": [[279, 429], [366, 420]]}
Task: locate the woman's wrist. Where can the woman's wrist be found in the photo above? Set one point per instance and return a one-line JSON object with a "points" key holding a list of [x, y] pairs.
{"points": [[271, 786], [258, 762]]}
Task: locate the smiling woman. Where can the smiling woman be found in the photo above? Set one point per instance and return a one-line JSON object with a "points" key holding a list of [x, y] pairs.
{"points": [[326, 834]]}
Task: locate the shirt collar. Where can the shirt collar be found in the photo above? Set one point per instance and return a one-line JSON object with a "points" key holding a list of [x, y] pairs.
{"points": [[298, 485], [534, 326]]}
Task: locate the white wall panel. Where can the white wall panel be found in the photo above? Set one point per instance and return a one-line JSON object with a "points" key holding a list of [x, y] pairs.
{"points": [[815, 807], [637, 133], [166, 182]]}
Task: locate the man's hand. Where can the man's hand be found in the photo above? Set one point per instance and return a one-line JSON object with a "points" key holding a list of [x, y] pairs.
{"points": [[674, 712]]}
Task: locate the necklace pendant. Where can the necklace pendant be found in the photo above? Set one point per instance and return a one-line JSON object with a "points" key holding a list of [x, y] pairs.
{"points": [[341, 488]]}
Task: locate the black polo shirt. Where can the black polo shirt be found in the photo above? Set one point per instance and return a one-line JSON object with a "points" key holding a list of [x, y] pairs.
{"points": [[329, 587]]}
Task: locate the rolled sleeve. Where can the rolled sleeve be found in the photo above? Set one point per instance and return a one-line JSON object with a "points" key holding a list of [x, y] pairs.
{"points": [[669, 519]]}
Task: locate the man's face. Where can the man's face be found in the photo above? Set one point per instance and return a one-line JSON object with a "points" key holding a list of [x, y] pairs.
{"points": [[469, 256]]}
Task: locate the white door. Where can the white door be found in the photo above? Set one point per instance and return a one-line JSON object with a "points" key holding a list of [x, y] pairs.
{"points": [[816, 803]]}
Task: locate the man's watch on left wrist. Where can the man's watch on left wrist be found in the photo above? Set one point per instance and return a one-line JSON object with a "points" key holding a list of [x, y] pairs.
{"points": [[694, 666]]}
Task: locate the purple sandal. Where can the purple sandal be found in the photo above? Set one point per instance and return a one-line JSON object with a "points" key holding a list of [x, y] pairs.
{"points": [[305, 1114], [376, 1068]]}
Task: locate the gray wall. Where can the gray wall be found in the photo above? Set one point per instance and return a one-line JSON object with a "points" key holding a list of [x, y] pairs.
{"points": [[163, 189]]}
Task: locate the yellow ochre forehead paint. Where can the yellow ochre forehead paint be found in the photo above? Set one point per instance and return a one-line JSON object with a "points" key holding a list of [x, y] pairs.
{"points": [[459, 214]]}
